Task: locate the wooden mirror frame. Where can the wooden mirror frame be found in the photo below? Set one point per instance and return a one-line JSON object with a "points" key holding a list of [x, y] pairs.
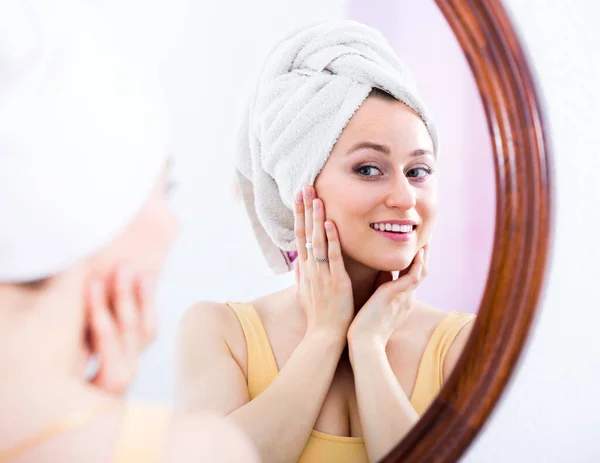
{"points": [[522, 235]]}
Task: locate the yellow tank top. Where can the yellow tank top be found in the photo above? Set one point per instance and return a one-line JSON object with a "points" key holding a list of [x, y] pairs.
{"points": [[323, 447]]}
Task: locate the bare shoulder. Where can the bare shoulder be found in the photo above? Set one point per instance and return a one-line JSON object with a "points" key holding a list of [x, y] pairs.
{"points": [[211, 319], [215, 323], [457, 347], [419, 327], [207, 316], [423, 321]]}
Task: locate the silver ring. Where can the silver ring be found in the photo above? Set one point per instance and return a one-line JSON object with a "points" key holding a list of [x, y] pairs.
{"points": [[320, 261], [309, 246]]}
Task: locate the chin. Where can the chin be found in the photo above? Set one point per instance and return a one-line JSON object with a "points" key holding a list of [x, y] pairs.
{"points": [[389, 263]]}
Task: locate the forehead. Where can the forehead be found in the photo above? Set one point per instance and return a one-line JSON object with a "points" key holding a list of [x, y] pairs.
{"points": [[385, 121]]}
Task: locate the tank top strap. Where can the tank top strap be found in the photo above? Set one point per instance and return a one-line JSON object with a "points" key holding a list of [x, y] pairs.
{"points": [[77, 419], [262, 367], [143, 435], [430, 375]]}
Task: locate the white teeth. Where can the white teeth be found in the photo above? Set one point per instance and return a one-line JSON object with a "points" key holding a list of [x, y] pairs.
{"points": [[393, 227]]}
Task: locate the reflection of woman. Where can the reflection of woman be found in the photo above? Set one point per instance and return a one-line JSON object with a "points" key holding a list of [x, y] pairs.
{"points": [[85, 227], [336, 111]]}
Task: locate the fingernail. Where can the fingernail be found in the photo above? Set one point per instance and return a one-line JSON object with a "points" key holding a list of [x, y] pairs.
{"points": [[328, 226], [316, 204], [298, 197], [307, 192]]}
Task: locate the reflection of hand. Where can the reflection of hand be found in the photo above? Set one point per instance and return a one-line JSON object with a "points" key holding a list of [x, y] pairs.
{"points": [[324, 288], [122, 324], [389, 305]]}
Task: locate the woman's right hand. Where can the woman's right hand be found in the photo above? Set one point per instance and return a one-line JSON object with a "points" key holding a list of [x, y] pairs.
{"points": [[122, 322], [324, 288]]}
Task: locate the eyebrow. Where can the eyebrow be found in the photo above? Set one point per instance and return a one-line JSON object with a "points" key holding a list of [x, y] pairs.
{"points": [[385, 149]]}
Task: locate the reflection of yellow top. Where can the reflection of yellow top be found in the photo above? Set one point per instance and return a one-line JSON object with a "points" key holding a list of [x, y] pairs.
{"points": [[322, 447]]}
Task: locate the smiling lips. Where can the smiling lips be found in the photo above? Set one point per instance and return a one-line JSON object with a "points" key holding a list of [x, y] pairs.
{"points": [[396, 230]]}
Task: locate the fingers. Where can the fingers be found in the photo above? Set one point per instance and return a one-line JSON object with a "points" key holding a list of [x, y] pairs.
{"points": [[407, 282], [124, 305], [383, 277], [318, 239], [122, 323], [308, 212], [336, 262], [144, 290], [413, 277], [297, 273], [425, 261], [299, 226], [105, 341]]}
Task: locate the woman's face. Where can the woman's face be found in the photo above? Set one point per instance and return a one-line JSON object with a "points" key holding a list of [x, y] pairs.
{"points": [[380, 175], [144, 244]]}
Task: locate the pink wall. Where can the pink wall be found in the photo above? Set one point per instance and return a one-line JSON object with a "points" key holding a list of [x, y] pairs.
{"points": [[462, 243]]}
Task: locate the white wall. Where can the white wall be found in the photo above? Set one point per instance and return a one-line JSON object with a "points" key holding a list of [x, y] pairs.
{"points": [[551, 412], [206, 54]]}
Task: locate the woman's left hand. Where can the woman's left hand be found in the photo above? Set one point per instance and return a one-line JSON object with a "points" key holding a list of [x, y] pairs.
{"points": [[389, 305]]}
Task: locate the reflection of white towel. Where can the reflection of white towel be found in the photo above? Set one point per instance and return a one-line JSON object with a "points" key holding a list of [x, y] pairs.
{"points": [[81, 145], [309, 88]]}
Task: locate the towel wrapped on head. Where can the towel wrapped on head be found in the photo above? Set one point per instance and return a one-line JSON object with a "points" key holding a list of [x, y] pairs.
{"points": [[309, 88], [82, 140]]}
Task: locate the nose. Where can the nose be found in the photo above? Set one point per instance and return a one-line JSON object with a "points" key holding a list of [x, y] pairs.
{"points": [[401, 194]]}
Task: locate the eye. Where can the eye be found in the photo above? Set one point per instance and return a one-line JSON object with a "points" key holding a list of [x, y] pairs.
{"points": [[419, 173], [368, 171]]}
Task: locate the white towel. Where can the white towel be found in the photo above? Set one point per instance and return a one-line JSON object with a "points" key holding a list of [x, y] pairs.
{"points": [[311, 85], [81, 144]]}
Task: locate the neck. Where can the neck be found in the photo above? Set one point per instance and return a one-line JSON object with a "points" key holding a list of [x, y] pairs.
{"points": [[363, 286], [41, 331], [363, 282]]}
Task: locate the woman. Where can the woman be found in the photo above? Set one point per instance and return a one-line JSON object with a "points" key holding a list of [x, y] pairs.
{"points": [[340, 366], [85, 228]]}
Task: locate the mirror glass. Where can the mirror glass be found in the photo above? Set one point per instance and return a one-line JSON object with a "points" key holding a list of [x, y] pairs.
{"points": [[211, 58]]}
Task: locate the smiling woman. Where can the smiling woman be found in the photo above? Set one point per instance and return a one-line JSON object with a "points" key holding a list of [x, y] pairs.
{"points": [[336, 161]]}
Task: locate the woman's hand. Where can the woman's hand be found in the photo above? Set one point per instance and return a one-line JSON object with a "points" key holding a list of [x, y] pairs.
{"points": [[389, 305], [323, 287], [122, 322]]}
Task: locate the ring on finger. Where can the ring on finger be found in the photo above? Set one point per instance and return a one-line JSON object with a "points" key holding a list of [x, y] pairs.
{"points": [[309, 246], [320, 261]]}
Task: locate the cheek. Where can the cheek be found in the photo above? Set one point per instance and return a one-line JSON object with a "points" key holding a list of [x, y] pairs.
{"points": [[153, 237], [163, 228], [427, 208], [346, 205]]}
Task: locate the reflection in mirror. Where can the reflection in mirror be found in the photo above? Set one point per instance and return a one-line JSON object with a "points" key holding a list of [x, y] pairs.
{"points": [[347, 165]]}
